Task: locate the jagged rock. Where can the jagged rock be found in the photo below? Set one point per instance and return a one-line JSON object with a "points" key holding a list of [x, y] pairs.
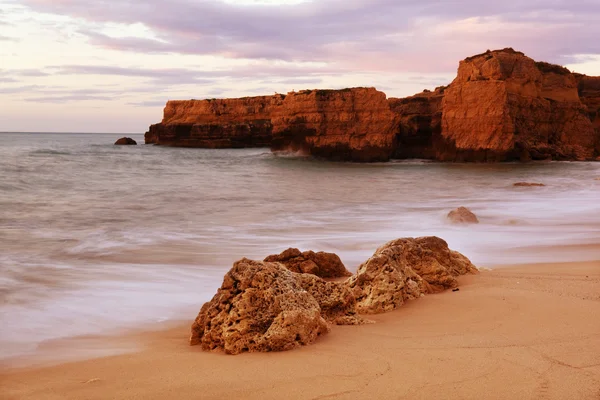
{"points": [[337, 302], [259, 307], [324, 265], [528, 184], [462, 215], [589, 92], [343, 125], [505, 106], [405, 269], [419, 124], [125, 141], [216, 123]]}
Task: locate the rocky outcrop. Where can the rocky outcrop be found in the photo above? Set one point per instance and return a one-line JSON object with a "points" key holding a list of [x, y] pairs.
{"points": [[589, 93], [406, 269], [263, 306], [504, 106], [125, 141], [462, 215], [342, 125], [324, 265], [216, 123], [528, 184], [419, 124], [260, 307]]}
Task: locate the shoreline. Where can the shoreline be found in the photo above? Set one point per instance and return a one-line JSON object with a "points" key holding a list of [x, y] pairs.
{"points": [[535, 326]]}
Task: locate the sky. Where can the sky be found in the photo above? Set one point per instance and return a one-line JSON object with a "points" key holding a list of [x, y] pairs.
{"points": [[111, 65]]}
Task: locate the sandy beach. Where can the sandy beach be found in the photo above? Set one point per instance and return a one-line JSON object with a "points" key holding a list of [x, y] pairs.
{"points": [[521, 332]]}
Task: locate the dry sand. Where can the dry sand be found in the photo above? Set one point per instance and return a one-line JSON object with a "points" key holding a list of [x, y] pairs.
{"points": [[528, 332]]}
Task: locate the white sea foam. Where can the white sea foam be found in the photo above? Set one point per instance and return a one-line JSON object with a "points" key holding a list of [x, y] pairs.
{"points": [[95, 238]]}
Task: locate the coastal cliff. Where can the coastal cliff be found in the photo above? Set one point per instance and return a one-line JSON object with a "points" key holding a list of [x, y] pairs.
{"points": [[589, 93], [505, 106], [216, 123], [343, 125], [502, 106], [419, 124]]}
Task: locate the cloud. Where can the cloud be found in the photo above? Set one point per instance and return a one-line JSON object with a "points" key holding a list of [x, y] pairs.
{"points": [[189, 76], [69, 98], [365, 35], [149, 103]]}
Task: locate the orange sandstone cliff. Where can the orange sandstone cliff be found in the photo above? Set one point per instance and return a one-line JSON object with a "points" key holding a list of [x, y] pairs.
{"points": [[589, 92], [505, 106], [343, 125], [502, 106], [419, 123], [216, 123]]}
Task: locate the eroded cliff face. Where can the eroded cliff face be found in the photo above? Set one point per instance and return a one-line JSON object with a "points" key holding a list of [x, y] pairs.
{"points": [[504, 106], [589, 93], [419, 123], [343, 125], [216, 123]]}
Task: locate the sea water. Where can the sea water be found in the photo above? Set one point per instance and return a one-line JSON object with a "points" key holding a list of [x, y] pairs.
{"points": [[96, 238]]}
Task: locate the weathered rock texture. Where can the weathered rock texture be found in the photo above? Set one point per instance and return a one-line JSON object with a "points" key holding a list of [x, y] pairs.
{"points": [[216, 123], [343, 125], [324, 265], [505, 106], [263, 306], [462, 215], [502, 106], [419, 124], [260, 307], [124, 141], [589, 92], [405, 269]]}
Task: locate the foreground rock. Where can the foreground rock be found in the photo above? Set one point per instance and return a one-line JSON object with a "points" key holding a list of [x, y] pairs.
{"points": [[324, 265], [260, 307], [528, 184], [462, 215], [125, 141], [263, 306], [406, 269]]}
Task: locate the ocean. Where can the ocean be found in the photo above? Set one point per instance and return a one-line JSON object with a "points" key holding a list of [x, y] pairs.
{"points": [[97, 238]]}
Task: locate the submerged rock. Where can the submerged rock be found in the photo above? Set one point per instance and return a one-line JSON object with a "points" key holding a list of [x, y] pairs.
{"points": [[324, 265], [405, 269], [462, 215], [259, 307], [125, 141], [528, 184]]}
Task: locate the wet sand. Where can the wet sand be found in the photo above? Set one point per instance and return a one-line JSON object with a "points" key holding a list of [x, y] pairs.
{"points": [[525, 332]]}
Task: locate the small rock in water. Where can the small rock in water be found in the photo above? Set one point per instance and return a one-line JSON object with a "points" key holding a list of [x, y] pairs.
{"points": [[528, 184], [462, 215], [125, 141]]}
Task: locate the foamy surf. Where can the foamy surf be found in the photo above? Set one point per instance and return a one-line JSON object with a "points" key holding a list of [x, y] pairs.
{"points": [[95, 239]]}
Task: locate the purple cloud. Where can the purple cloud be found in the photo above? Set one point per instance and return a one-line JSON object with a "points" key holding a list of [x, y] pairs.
{"points": [[362, 35]]}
